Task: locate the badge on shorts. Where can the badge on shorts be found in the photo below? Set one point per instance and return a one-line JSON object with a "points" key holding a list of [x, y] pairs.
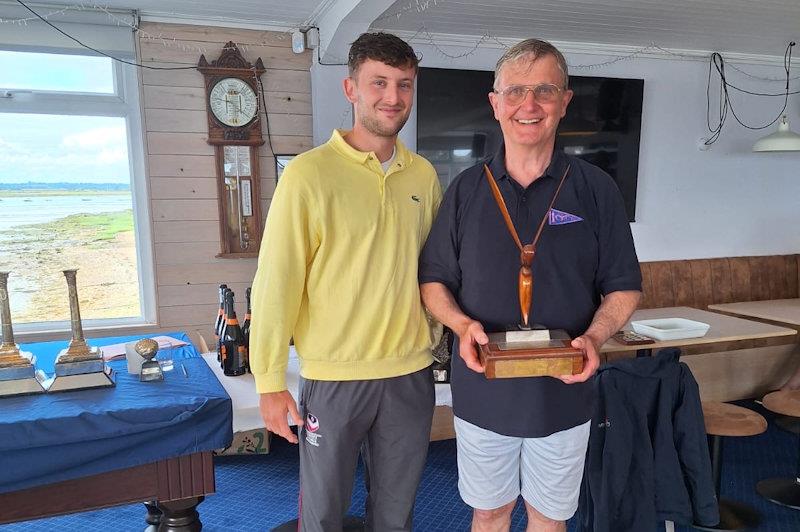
{"points": [[557, 217], [312, 426]]}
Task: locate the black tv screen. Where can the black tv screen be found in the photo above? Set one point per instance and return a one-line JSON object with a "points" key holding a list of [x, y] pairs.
{"points": [[456, 127]]}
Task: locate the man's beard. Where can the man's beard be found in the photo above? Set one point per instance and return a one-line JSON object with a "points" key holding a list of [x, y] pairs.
{"points": [[376, 127]]}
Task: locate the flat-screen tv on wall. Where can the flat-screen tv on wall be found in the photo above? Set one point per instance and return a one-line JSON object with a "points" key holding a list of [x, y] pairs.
{"points": [[456, 127]]}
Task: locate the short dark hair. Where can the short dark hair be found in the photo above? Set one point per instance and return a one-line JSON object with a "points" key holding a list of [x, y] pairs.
{"points": [[384, 47]]}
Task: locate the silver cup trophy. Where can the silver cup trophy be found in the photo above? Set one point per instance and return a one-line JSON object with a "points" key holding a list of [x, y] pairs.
{"points": [[18, 374], [79, 366]]}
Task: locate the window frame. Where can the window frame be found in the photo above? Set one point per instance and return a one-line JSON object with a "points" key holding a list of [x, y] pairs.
{"points": [[123, 103]]}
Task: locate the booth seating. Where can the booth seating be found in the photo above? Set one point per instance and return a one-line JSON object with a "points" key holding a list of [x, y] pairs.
{"points": [[783, 491], [729, 375], [727, 420]]}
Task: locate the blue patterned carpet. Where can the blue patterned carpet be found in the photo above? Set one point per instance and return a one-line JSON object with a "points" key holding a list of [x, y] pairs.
{"points": [[256, 493]]}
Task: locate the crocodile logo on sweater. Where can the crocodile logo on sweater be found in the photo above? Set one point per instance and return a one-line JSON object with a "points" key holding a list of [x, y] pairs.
{"points": [[415, 198]]}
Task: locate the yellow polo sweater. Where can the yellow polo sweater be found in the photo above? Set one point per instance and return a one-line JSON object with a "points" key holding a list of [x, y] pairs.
{"points": [[337, 268]]}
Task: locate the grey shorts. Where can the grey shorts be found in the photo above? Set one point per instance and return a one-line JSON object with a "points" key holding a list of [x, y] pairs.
{"points": [[493, 470]]}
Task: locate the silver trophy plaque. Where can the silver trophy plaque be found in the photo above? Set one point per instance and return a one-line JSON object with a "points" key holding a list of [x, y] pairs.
{"points": [[18, 375], [79, 366]]}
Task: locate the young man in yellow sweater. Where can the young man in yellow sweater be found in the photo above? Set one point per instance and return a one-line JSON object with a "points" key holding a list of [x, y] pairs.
{"points": [[338, 273]]}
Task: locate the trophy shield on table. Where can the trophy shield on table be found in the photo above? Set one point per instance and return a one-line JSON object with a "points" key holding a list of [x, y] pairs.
{"points": [[79, 366], [529, 351], [18, 374]]}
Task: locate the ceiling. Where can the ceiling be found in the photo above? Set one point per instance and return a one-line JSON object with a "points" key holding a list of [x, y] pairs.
{"points": [[759, 27]]}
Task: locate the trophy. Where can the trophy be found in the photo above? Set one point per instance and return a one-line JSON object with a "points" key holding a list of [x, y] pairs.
{"points": [[17, 372], [151, 369], [79, 366], [530, 351]]}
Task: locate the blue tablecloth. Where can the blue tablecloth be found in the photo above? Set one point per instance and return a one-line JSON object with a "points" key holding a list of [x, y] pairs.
{"points": [[49, 438]]}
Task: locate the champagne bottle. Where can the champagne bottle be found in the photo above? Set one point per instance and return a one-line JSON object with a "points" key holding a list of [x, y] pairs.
{"points": [[222, 329], [220, 318], [234, 353], [246, 328]]}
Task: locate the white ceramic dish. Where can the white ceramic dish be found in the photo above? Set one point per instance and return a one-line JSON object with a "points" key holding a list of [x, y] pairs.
{"points": [[670, 328]]}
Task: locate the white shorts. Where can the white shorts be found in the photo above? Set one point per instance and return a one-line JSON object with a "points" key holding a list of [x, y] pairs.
{"points": [[493, 470]]}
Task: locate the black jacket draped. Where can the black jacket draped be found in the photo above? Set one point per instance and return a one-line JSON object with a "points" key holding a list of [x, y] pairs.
{"points": [[648, 458]]}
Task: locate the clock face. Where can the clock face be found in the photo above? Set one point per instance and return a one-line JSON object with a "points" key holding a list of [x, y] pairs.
{"points": [[233, 102]]}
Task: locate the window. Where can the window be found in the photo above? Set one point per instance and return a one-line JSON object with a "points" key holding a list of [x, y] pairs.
{"points": [[72, 191]]}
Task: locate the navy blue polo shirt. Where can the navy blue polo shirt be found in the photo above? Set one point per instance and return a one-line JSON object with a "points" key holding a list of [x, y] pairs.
{"points": [[585, 251]]}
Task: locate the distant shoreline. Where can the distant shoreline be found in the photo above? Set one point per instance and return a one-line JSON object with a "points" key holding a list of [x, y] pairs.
{"points": [[8, 193]]}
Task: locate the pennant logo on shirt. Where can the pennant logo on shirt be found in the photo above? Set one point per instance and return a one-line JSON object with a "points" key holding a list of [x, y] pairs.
{"points": [[557, 217]]}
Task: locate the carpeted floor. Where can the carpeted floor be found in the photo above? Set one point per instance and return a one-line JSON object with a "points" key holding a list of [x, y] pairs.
{"points": [[257, 493]]}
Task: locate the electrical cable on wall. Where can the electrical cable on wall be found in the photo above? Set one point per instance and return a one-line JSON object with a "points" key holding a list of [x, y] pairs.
{"points": [[725, 103]]}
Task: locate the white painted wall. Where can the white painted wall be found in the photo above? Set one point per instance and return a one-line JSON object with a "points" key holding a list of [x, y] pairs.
{"points": [[726, 201]]}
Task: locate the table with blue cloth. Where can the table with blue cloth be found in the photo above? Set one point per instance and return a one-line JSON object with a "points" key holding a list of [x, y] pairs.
{"points": [[135, 442]]}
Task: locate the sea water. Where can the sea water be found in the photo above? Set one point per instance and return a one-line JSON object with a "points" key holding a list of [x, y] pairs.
{"points": [[26, 210]]}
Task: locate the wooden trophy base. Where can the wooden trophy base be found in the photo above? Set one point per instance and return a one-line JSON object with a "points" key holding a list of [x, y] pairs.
{"points": [[506, 357]]}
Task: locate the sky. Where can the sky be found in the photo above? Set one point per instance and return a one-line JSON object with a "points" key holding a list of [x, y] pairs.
{"points": [[53, 148]]}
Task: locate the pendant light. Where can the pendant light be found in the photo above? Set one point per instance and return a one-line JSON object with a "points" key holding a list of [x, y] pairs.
{"points": [[782, 140]]}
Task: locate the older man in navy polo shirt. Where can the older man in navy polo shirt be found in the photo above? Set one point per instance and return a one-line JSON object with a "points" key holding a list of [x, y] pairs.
{"points": [[528, 436]]}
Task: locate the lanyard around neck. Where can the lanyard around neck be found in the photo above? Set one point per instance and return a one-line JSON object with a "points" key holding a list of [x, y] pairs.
{"points": [[498, 197]]}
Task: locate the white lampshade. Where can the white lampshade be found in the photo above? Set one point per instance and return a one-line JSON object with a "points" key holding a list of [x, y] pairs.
{"points": [[782, 140]]}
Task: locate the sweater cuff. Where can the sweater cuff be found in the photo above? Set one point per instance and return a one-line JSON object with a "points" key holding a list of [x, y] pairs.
{"points": [[270, 382]]}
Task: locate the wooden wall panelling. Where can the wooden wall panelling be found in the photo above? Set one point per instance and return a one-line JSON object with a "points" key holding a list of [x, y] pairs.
{"points": [[178, 144], [661, 275], [740, 278], [179, 209], [169, 97], [241, 271], [792, 274], [759, 281], [176, 120], [183, 188], [213, 34], [182, 314], [186, 231], [721, 284], [198, 294], [647, 285], [682, 286], [701, 283], [274, 80], [275, 57], [192, 252], [777, 282], [181, 164]]}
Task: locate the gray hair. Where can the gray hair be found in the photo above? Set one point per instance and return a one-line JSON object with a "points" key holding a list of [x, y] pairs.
{"points": [[530, 50]]}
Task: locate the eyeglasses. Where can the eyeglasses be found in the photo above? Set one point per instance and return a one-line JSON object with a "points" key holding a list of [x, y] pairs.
{"points": [[542, 93]]}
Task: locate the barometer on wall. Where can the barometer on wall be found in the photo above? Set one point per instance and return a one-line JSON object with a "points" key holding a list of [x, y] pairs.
{"points": [[234, 129]]}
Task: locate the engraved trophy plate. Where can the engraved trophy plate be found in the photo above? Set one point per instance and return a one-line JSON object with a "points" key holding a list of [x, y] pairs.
{"points": [[554, 357], [18, 375], [79, 366], [530, 351]]}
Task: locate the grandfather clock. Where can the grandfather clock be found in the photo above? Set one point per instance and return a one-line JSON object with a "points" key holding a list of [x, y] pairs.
{"points": [[234, 129]]}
